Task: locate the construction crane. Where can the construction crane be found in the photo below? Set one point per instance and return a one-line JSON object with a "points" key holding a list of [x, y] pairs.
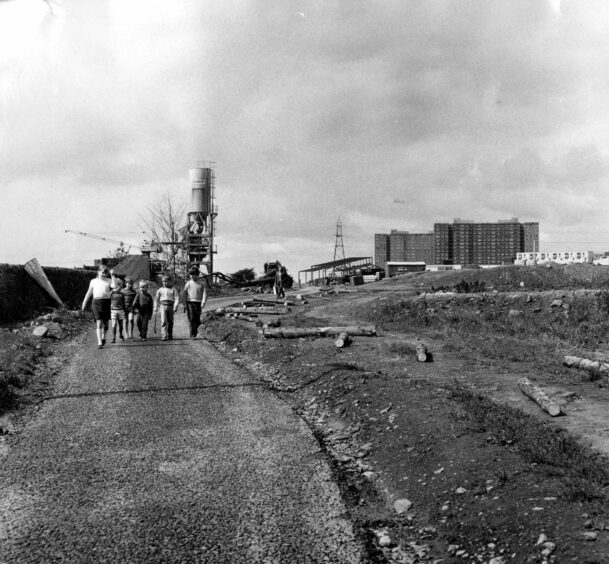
{"points": [[145, 248]]}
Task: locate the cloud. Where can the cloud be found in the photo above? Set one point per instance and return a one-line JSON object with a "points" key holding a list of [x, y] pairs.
{"points": [[472, 109]]}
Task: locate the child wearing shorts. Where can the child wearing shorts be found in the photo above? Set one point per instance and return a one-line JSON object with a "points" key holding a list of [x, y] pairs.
{"points": [[99, 290], [129, 294], [117, 309]]}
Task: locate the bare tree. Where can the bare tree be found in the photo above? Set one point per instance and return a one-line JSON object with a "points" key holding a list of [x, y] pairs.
{"points": [[165, 224], [120, 252]]}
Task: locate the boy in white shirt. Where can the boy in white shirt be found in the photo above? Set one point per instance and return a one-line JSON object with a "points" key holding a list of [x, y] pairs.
{"points": [[195, 296], [100, 289], [167, 300]]}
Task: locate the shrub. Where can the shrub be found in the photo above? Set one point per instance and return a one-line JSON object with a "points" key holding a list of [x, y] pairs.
{"points": [[18, 357], [464, 287]]}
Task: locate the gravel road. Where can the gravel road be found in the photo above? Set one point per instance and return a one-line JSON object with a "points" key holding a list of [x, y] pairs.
{"points": [[167, 452]]}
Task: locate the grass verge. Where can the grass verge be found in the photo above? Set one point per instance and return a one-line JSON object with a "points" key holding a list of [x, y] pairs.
{"points": [[584, 473], [18, 358]]}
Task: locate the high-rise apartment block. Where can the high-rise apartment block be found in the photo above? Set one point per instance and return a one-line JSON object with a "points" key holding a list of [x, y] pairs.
{"points": [[403, 246], [460, 242]]}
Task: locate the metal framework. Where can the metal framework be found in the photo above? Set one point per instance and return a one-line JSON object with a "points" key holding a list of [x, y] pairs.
{"points": [[145, 247], [339, 249], [323, 271]]}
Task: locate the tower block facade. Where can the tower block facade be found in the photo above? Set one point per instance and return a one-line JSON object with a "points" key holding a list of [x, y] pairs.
{"points": [[201, 219]]}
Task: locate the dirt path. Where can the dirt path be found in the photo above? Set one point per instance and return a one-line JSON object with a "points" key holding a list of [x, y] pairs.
{"points": [[167, 452]]}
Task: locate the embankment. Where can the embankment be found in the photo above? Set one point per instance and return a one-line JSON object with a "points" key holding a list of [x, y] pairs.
{"points": [[21, 297]]}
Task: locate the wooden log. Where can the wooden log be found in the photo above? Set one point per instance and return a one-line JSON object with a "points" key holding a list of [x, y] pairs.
{"points": [[296, 332], [270, 302], [421, 350], [245, 317], [539, 397], [586, 364], [342, 341], [571, 361], [259, 310], [33, 268]]}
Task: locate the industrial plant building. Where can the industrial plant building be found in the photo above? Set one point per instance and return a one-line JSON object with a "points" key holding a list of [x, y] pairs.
{"points": [[199, 236], [459, 243]]}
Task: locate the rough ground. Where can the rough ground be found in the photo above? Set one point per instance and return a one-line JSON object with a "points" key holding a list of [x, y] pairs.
{"points": [[447, 461], [146, 452]]}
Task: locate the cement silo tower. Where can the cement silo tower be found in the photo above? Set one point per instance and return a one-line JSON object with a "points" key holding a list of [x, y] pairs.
{"points": [[201, 217]]}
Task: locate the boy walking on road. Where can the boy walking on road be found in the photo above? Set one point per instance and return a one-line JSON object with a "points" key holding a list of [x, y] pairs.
{"points": [[117, 309], [100, 289], [129, 294], [195, 295], [143, 305], [167, 300]]}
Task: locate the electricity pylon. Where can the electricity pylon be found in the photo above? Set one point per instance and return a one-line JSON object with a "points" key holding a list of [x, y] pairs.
{"points": [[339, 249]]}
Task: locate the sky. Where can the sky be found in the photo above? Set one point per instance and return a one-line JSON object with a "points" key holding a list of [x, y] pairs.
{"points": [[391, 114]]}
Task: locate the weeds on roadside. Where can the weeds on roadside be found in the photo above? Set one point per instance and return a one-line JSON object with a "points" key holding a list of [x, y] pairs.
{"points": [[18, 357], [582, 490], [402, 349], [584, 471], [503, 476], [489, 332], [464, 287]]}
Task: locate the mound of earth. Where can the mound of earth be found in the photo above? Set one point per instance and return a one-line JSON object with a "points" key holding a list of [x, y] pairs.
{"points": [[549, 276]]}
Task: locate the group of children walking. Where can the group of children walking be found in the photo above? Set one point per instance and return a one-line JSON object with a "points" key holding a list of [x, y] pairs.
{"points": [[117, 301]]}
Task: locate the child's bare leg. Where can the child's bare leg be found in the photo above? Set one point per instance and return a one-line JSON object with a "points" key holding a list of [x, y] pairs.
{"points": [[99, 332], [114, 330], [130, 325], [120, 329]]}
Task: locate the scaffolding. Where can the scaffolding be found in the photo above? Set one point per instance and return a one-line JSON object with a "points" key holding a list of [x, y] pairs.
{"points": [[325, 272]]}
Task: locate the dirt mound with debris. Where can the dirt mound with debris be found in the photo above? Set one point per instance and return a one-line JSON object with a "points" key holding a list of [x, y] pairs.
{"points": [[30, 351], [448, 459]]}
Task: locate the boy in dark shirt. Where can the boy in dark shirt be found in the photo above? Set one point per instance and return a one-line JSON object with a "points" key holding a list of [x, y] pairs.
{"points": [[142, 305], [129, 294], [117, 309]]}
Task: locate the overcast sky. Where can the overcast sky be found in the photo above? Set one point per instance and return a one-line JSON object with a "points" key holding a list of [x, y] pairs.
{"points": [[387, 114]]}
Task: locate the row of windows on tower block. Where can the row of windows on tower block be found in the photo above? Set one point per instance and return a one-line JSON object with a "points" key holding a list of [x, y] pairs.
{"points": [[484, 243]]}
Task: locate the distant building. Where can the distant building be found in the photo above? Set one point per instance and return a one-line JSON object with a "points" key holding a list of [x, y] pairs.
{"points": [[403, 267], [560, 257], [381, 249], [466, 242], [460, 242], [402, 246]]}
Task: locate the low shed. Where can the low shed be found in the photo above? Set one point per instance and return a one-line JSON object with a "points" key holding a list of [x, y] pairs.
{"points": [[395, 268]]}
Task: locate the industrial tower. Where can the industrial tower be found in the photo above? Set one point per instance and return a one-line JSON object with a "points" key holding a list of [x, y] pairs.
{"points": [[339, 249], [201, 219]]}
